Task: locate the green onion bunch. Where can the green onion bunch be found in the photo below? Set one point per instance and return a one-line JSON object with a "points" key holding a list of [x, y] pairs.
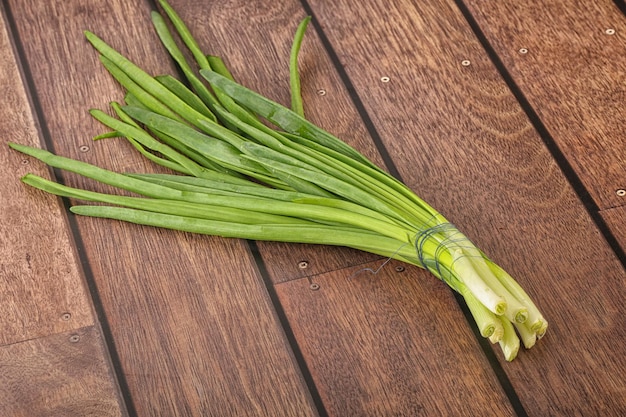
{"points": [[247, 167]]}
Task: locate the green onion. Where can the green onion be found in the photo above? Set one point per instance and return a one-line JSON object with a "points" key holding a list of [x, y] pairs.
{"points": [[248, 167], [294, 75]]}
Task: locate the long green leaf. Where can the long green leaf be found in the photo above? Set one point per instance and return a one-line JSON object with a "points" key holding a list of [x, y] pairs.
{"points": [[141, 136], [294, 75], [280, 115], [317, 234], [174, 207], [145, 81]]}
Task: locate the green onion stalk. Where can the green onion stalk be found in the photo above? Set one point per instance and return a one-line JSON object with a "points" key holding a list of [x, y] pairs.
{"points": [[244, 166]]}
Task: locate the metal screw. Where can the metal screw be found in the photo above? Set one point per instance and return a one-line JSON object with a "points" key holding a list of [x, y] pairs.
{"points": [[66, 316], [610, 31], [385, 79], [74, 338], [303, 264], [321, 92], [314, 287], [84, 148], [621, 192], [465, 63], [523, 51]]}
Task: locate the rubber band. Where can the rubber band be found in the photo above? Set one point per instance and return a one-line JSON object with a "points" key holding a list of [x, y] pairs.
{"points": [[447, 237], [427, 235]]}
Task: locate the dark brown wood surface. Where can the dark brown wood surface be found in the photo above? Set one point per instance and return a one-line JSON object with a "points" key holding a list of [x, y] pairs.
{"points": [[615, 219], [570, 69], [198, 325], [379, 345], [64, 374]]}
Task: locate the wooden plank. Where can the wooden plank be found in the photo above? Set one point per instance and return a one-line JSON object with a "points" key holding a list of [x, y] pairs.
{"points": [[573, 75], [41, 284], [616, 220], [203, 339], [193, 325], [390, 344], [287, 262], [460, 138], [59, 375]]}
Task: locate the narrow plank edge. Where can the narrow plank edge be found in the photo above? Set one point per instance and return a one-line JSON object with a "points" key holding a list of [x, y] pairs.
{"points": [[615, 219]]}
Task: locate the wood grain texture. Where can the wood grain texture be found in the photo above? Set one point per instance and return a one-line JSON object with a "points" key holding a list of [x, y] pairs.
{"points": [[58, 375], [462, 141], [287, 262], [390, 344], [616, 220], [193, 325], [573, 75], [40, 281]]}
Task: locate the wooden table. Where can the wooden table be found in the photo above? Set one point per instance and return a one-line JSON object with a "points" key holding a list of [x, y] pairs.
{"points": [[507, 116]]}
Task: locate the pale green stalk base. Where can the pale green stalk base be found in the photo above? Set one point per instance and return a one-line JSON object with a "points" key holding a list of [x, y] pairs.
{"points": [[509, 343]]}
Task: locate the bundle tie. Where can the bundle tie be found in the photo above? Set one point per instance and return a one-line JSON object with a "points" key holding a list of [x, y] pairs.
{"points": [[450, 237]]}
